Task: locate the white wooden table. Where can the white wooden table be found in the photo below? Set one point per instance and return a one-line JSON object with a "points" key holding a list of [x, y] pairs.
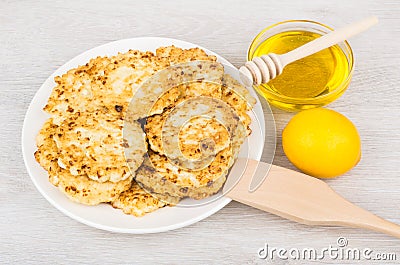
{"points": [[36, 37]]}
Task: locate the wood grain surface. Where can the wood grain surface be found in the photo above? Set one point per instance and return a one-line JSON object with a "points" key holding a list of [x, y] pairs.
{"points": [[36, 37]]}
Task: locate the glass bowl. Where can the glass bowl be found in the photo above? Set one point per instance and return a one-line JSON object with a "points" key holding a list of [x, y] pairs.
{"points": [[295, 103]]}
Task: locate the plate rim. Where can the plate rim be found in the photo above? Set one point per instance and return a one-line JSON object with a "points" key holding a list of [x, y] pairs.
{"points": [[223, 200]]}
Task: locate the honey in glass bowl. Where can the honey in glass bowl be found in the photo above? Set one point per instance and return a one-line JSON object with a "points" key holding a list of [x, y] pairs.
{"points": [[310, 82]]}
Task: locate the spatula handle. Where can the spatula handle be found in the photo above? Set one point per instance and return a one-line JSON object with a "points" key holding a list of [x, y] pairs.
{"points": [[306, 200]]}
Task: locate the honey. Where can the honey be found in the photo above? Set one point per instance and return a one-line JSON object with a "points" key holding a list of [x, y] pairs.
{"points": [[310, 82]]}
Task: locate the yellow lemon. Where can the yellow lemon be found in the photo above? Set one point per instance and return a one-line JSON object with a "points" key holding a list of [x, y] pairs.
{"points": [[322, 143]]}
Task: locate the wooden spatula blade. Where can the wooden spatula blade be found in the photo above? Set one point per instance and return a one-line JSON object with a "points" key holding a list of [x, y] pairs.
{"points": [[299, 197]]}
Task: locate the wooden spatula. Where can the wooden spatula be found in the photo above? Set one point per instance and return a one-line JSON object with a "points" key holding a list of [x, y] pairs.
{"points": [[299, 197]]}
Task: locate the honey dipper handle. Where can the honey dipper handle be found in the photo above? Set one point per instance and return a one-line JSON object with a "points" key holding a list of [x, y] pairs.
{"points": [[301, 198], [328, 40]]}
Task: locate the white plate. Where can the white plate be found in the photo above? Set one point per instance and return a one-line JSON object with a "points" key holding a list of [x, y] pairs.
{"points": [[104, 216]]}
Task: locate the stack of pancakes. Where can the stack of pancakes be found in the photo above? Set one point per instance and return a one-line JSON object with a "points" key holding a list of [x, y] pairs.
{"points": [[94, 153]]}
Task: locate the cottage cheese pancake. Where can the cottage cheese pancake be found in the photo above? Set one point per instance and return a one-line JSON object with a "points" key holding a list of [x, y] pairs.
{"points": [[78, 188], [166, 178], [93, 144], [104, 83], [138, 202]]}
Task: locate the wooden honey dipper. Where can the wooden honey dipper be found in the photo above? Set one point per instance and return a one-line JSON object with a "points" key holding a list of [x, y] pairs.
{"points": [[267, 67]]}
